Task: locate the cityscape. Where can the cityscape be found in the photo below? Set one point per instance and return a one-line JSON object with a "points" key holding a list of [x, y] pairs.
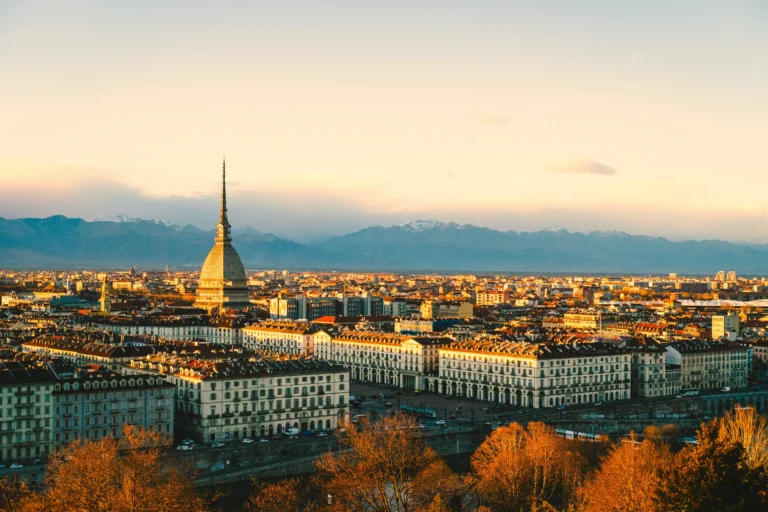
{"points": [[359, 309]]}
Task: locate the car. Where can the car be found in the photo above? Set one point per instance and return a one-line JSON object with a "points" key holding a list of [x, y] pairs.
{"points": [[598, 404], [2, 466], [37, 462], [187, 441], [263, 440], [440, 423], [184, 447], [521, 411], [322, 434], [246, 440], [17, 466], [452, 416], [217, 445], [421, 425], [388, 405], [560, 407]]}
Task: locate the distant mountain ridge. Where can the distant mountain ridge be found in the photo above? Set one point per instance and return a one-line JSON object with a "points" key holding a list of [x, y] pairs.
{"points": [[421, 245]]}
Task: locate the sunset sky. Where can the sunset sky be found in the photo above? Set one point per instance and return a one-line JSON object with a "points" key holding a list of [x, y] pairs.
{"points": [[649, 117]]}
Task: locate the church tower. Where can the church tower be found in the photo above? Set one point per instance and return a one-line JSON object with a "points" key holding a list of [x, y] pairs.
{"points": [[106, 299], [223, 283]]}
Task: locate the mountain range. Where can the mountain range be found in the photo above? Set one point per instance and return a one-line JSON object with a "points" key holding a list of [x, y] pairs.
{"points": [[63, 242]]}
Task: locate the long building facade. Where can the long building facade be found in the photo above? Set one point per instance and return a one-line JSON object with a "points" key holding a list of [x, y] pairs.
{"points": [[534, 375], [223, 400], [392, 359]]}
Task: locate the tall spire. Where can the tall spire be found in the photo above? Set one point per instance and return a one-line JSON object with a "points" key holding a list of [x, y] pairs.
{"points": [[222, 229]]}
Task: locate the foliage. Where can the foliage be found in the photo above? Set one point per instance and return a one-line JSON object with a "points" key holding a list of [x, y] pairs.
{"points": [[386, 466], [525, 469]]}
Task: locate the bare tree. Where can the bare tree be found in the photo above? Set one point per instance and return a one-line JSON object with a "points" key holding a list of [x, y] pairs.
{"points": [[746, 427], [382, 467]]}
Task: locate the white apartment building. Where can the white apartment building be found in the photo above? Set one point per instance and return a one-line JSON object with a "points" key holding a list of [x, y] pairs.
{"points": [[26, 413], [281, 337], [709, 365], [492, 297], [432, 309], [223, 334], [221, 400], [725, 327], [392, 359], [534, 375]]}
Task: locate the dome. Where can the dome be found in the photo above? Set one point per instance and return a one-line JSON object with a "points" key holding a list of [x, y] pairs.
{"points": [[223, 264], [223, 282]]}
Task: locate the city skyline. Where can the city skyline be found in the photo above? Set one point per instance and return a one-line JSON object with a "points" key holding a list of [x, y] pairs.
{"points": [[588, 117]]}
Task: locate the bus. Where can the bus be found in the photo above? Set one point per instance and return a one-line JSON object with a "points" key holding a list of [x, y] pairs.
{"points": [[567, 434], [420, 412]]}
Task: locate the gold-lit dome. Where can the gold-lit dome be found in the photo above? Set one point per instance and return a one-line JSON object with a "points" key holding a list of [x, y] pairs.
{"points": [[223, 283]]}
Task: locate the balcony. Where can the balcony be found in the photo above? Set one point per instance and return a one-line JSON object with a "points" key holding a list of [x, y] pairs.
{"points": [[228, 415], [24, 393], [245, 413], [213, 416]]}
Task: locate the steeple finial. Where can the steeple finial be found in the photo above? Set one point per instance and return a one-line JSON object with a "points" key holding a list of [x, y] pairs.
{"points": [[222, 230], [223, 187]]}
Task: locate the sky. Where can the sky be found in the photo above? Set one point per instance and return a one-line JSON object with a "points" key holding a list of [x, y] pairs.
{"points": [[647, 117]]}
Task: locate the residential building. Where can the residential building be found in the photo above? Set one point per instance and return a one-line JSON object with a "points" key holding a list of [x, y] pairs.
{"points": [[95, 403], [392, 359], [218, 400], [432, 309], [536, 375], [492, 297], [725, 327], [709, 365], [281, 337], [26, 409]]}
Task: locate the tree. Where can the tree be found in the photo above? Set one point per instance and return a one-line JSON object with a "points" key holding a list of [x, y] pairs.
{"points": [[283, 496], [14, 494], [712, 476], [750, 430], [628, 478], [385, 466], [653, 433], [519, 469], [126, 475], [670, 431]]}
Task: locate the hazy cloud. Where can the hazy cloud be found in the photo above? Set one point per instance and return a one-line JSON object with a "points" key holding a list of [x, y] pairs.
{"points": [[490, 120], [664, 178], [568, 166], [313, 215]]}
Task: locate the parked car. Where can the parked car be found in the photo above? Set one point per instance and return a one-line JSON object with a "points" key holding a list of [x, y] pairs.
{"points": [[263, 440], [725, 389], [184, 447], [2, 466], [37, 462], [17, 466], [246, 440], [322, 434], [560, 407], [598, 404], [440, 423], [187, 441], [217, 445]]}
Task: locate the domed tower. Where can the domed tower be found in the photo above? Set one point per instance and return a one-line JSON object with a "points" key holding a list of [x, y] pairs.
{"points": [[223, 283]]}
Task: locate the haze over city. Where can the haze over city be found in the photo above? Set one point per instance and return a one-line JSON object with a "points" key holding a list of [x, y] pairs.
{"points": [[647, 118]]}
